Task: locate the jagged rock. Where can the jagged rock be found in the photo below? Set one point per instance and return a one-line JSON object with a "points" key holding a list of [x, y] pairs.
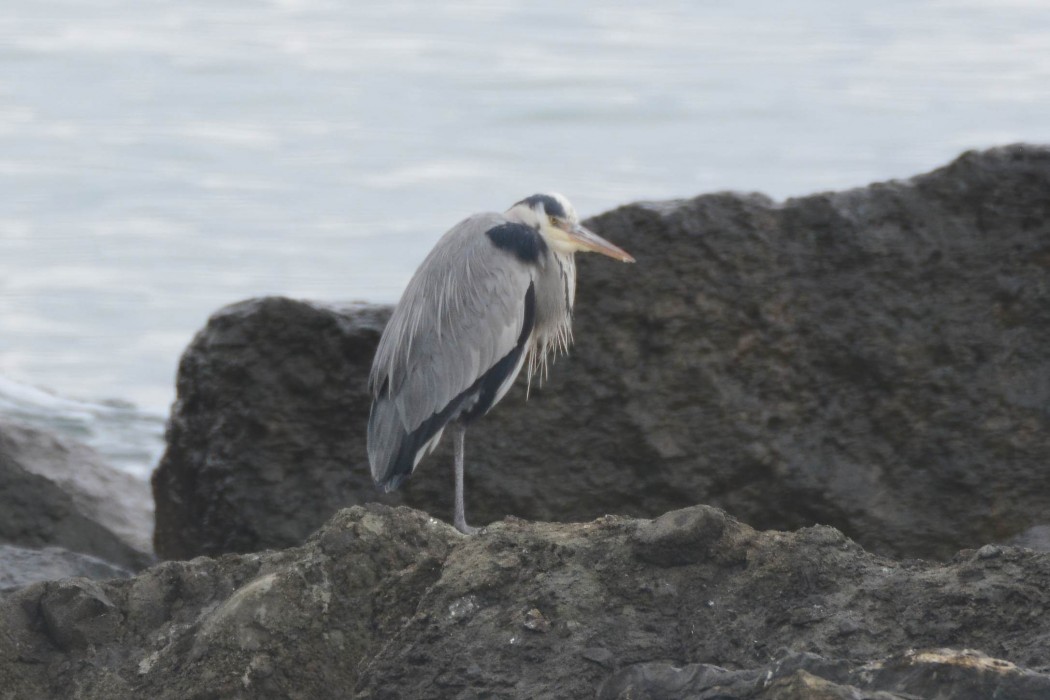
{"points": [[36, 512], [391, 603], [873, 359], [20, 566]]}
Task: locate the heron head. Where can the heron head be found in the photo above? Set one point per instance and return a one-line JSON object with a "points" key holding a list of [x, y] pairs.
{"points": [[554, 217]]}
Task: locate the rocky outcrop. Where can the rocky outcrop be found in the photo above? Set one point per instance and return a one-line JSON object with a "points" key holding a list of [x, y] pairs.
{"points": [[872, 359], [38, 512], [266, 438], [391, 603]]}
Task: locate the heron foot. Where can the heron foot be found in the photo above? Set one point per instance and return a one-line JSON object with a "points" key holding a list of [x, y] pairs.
{"points": [[462, 526]]}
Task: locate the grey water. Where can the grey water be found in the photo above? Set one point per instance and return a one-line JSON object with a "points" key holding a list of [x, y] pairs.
{"points": [[162, 158]]}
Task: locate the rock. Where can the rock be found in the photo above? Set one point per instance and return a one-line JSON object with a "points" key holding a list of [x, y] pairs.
{"points": [[266, 438], [960, 675], [116, 500], [141, 637], [970, 674], [791, 677], [873, 359], [391, 603], [36, 512], [20, 566]]}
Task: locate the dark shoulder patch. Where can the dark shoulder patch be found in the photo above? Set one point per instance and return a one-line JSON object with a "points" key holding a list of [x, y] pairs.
{"points": [[523, 241], [550, 205]]}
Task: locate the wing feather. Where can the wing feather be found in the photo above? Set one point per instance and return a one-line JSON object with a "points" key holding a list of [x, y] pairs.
{"points": [[462, 313]]}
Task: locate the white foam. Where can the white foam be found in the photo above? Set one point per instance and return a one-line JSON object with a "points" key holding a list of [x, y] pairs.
{"points": [[129, 438]]}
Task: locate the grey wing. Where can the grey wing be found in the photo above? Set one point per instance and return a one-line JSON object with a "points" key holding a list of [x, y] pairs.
{"points": [[455, 341]]}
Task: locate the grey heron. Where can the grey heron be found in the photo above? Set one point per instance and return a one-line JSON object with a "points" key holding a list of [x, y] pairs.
{"points": [[495, 294]]}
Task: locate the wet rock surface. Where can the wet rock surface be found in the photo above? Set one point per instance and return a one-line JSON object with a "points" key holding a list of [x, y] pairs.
{"points": [[21, 566], [118, 501], [391, 603], [873, 359], [38, 512]]}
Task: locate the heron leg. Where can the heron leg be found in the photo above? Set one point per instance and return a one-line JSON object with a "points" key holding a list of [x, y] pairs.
{"points": [[460, 521]]}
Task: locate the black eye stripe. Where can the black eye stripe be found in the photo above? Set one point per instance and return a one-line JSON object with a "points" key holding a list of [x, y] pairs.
{"points": [[550, 205]]}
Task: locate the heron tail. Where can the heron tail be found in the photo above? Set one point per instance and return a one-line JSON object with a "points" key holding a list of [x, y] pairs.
{"points": [[386, 436], [393, 451]]}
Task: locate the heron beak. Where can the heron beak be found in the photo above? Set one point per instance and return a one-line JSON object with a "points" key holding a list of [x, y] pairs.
{"points": [[589, 240]]}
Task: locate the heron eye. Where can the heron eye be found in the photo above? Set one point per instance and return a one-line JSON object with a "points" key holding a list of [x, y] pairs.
{"points": [[553, 220]]}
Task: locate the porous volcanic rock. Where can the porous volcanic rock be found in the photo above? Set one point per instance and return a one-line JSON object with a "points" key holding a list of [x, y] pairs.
{"points": [[874, 359], [266, 438], [392, 603]]}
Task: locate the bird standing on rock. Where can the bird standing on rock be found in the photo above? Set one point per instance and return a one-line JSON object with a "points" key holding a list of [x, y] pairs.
{"points": [[495, 293]]}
